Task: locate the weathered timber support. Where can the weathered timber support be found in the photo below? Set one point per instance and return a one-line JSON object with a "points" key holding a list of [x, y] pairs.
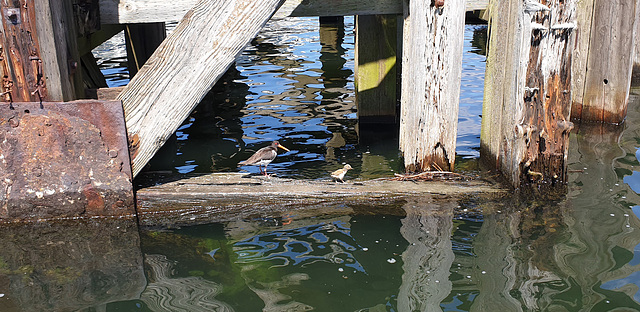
{"points": [[141, 41], [38, 53], [56, 31], [604, 59], [147, 11], [431, 71], [170, 85], [375, 68], [635, 71], [525, 120]]}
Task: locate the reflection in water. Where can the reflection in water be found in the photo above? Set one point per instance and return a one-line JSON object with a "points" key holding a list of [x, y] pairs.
{"points": [[165, 293], [69, 265], [427, 261]]}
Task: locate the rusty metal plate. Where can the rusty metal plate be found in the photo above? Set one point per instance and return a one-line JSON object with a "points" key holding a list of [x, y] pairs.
{"points": [[62, 160]]}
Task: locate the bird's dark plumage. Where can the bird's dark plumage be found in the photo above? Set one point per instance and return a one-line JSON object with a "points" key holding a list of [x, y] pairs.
{"points": [[264, 156]]}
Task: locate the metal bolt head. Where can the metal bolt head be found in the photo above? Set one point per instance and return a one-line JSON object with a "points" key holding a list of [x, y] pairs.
{"points": [[113, 153]]}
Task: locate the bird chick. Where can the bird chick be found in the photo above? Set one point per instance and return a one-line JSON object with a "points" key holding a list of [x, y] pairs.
{"points": [[339, 174]]}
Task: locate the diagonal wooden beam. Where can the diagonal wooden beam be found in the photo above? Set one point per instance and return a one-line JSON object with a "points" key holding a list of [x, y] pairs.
{"points": [[185, 67]]}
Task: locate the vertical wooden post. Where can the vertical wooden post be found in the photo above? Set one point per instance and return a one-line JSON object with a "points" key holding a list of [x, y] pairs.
{"points": [[39, 52], [525, 120], [141, 41], [59, 48], [635, 71], [431, 70], [375, 68], [604, 60]]}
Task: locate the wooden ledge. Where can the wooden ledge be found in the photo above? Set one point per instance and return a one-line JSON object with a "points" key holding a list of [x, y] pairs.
{"points": [[221, 197]]}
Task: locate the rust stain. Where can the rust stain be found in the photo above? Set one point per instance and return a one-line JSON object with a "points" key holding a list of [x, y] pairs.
{"points": [[95, 201], [63, 160]]}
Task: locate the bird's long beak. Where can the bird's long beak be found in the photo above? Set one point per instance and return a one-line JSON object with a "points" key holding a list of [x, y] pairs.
{"points": [[284, 148]]}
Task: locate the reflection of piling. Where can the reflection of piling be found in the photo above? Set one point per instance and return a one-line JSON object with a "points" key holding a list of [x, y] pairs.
{"points": [[428, 258]]}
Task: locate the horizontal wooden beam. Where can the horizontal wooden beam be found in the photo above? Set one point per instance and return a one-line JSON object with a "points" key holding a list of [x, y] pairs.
{"points": [[153, 11]]}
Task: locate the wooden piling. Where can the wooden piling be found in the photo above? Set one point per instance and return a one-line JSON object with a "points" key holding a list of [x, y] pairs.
{"points": [[375, 68], [141, 41], [433, 35], [525, 120], [635, 71], [603, 60], [170, 85], [39, 54]]}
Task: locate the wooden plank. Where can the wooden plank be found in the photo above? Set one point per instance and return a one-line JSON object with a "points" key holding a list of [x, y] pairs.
{"points": [[602, 95], [170, 85], [375, 68], [60, 57], [431, 72], [230, 196], [152, 11], [525, 125]]}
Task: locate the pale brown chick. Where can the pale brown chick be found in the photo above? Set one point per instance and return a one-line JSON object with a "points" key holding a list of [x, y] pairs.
{"points": [[339, 174]]}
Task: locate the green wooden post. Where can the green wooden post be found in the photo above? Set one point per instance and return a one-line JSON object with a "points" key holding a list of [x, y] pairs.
{"points": [[376, 68]]}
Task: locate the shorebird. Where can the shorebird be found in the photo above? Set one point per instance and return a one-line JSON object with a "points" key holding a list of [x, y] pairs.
{"points": [[264, 156], [339, 174]]}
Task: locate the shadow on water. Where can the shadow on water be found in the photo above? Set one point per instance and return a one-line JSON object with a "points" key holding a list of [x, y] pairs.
{"points": [[578, 253]]}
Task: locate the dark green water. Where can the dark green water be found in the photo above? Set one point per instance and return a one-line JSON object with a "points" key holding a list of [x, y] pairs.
{"points": [[577, 253]]}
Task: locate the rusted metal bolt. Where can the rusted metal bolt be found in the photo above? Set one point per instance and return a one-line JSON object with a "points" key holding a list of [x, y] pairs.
{"points": [[438, 3], [113, 153]]}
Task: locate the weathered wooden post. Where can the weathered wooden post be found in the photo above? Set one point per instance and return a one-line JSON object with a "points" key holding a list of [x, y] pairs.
{"points": [[142, 40], [39, 53], [603, 60], [431, 72], [635, 70], [170, 85], [527, 99], [375, 68]]}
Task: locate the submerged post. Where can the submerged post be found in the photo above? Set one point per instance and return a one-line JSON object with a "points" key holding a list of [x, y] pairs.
{"points": [[604, 59], [527, 99], [433, 35]]}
